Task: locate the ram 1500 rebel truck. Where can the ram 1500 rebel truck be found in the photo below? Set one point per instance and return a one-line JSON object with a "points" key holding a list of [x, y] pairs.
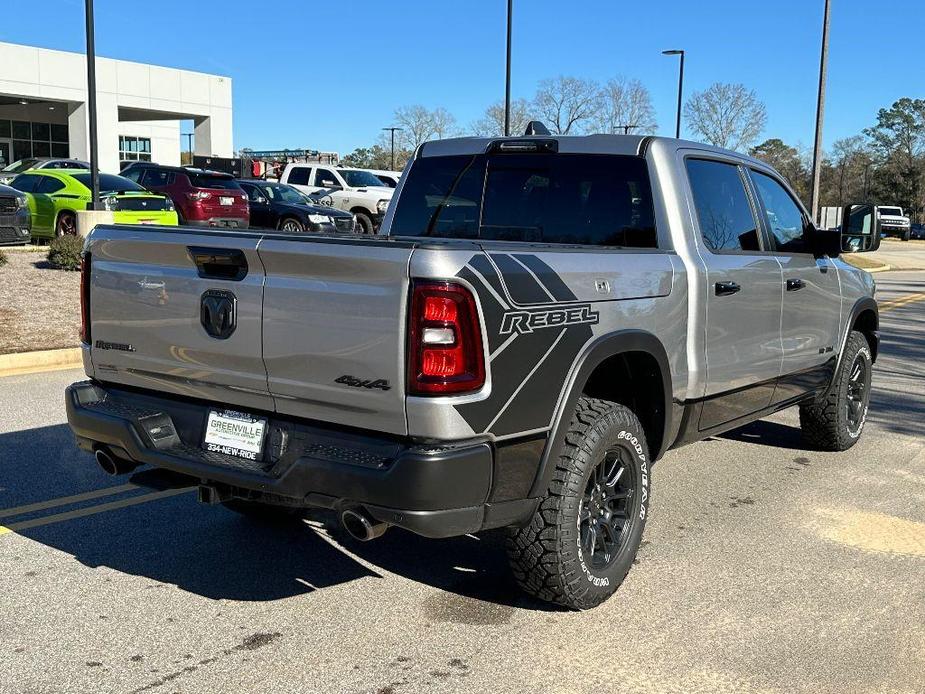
{"points": [[542, 319]]}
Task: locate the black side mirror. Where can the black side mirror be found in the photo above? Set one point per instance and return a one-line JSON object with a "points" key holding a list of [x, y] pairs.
{"points": [[860, 229], [260, 200]]}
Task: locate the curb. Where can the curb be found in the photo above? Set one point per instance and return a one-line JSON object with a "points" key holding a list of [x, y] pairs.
{"points": [[45, 360], [882, 268]]}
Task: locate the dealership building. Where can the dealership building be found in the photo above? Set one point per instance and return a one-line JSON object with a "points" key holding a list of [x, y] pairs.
{"points": [[44, 113]]}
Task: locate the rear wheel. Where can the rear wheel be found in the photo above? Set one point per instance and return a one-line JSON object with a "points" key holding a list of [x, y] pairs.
{"points": [[66, 225], [583, 538], [835, 424], [291, 224], [364, 222]]}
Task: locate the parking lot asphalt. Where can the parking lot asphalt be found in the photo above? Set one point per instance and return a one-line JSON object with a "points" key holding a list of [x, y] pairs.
{"points": [[765, 568]]}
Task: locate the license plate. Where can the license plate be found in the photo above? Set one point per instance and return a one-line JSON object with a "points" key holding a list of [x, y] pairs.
{"points": [[147, 221], [235, 433], [226, 201]]}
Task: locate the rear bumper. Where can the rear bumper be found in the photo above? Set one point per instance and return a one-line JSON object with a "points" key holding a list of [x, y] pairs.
{"points": [[231, 222], [436, 491]]}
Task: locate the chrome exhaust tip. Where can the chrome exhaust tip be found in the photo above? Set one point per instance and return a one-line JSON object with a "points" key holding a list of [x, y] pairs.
{"points": [[361, 526], [111, 464]]}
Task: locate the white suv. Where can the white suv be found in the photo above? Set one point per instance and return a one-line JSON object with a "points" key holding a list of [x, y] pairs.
{"points": [[894, 223], [352, 190]]}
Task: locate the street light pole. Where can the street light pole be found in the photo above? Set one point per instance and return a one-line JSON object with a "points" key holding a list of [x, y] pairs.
{"points": [[507, 78], [678, 51], [189, 146], [91, 106], [392, 131], [820, 108]]}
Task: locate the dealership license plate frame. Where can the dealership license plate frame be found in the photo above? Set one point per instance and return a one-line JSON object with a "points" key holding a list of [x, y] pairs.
{"points": [[226, 200], [246, 443]]}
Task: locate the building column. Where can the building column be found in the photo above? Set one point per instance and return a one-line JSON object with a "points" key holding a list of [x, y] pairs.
{"points": [[78, 131], [213, 134], [107, 128]]}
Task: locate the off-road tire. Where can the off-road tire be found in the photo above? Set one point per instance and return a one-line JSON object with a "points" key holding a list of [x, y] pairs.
{"points": [[825, 424], [364, 222], [907, 235], [546, 555]]}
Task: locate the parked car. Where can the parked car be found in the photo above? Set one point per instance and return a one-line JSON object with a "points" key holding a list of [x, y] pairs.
{"points": [[917, 231], [55, 196], [15, 218], [278, 206], [352, 190], [10, 172], [389, 178], [893, 222], [539, 326], [202, 198]]}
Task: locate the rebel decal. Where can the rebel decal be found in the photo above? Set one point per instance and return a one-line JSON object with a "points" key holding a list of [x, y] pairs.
{"points": [[527, 320]]}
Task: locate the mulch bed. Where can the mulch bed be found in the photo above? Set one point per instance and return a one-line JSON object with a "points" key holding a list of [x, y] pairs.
{"points": [[39, 306]]}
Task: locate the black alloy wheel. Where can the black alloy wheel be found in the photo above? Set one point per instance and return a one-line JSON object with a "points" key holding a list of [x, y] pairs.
{"points": [[605, 516], [858, 393]]}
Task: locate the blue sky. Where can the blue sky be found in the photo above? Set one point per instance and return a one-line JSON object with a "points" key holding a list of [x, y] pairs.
{"points": [[329, 75]]}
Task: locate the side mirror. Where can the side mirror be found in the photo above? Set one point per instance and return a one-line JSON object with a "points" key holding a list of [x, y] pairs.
{"points": [[860, 229], [330, 184], [260, 200]]}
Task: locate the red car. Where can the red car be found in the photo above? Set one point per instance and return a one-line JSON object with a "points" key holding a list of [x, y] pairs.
{"points": [[202, 198]]}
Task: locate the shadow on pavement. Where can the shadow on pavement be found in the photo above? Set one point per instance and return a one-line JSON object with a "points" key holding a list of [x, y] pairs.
{"points": [[219, 554]]}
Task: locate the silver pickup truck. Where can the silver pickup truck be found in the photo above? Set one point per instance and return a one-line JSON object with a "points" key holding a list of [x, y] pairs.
{"points": [[541, 320]]}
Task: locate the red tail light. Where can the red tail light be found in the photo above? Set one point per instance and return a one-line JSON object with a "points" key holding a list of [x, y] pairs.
{"points": [[85, 299], [445, 344]]}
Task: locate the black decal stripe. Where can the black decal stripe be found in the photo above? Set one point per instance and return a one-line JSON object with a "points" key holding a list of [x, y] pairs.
{"points": [[548, 277], [508, 371], [481, 265], [492, 311], [523, 287], [533, 406]]}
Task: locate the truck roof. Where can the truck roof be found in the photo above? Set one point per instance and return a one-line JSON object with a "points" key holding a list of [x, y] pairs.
{"points": [[576, 144]]}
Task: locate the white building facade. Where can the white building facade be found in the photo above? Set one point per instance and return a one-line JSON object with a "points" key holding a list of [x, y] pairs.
{"points": [[43, 109]]}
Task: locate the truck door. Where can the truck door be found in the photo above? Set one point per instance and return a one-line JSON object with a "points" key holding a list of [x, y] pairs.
{"points": [[328, 189], [742, 293], [811, 317]]}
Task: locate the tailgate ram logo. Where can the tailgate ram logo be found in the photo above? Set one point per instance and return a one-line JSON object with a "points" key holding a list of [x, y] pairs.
{"points": [[218, 313]]}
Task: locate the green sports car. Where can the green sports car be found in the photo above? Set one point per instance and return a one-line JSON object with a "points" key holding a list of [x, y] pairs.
{"points": [[55, 196]]}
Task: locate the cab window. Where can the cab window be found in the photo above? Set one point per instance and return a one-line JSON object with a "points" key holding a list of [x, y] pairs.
{"points": [[298, 175], [727, 222], [786, 222], [324, 178]]}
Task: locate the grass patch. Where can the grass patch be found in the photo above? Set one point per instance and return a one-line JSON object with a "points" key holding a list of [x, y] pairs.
{"points": [[859, 261]]}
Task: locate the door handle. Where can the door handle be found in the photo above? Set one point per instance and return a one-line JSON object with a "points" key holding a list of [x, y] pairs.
{"points": [[726, 288], [794, 285]]}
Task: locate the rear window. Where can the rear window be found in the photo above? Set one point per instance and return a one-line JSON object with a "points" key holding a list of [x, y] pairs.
{"points": [[212, 181], [109, 182], [578, 199]]}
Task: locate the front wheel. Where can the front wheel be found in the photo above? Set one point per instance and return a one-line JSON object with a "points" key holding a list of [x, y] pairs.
{"points": [[581, 542], [291, 224], [364, 222], [66, 225], [835, 423]]}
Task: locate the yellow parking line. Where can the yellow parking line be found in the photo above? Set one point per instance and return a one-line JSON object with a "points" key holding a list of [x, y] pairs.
{"points": [[65, 500], [902, 301], [92, 510]]}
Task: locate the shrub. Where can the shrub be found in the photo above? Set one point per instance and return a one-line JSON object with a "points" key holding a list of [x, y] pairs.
{"points": [[65, 251], [2, 258]]}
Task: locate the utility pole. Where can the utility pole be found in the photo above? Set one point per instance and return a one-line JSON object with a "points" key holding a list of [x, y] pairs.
{"points": [[91, 106], [507, 79], [678, 51], [392, 132], [820, 108]]}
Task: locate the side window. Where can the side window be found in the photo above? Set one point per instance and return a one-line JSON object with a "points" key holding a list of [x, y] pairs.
{"points": [[252, 192], [298, 175], [48, 185], [25, 183], [785, 219], [155, 178], [727, 222], [133, 175], [324, 178]]}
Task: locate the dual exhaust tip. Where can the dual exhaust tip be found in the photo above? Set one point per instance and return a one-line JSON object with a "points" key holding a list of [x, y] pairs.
{"points": [[358, 523], [362, 526], [112, 464]]}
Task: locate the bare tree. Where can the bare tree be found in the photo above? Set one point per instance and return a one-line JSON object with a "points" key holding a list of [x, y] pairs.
{"points": [[492, 123], [626, 106], [566, 104], [420, 125], [726, 115]]}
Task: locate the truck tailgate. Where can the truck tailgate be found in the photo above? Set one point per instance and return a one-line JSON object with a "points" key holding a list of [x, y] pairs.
{"points": [[147, 325], [334, 329]]}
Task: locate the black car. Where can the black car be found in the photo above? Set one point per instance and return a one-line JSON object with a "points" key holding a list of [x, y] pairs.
{"points": [[15, 218], [917, 232], [280, 206]]}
